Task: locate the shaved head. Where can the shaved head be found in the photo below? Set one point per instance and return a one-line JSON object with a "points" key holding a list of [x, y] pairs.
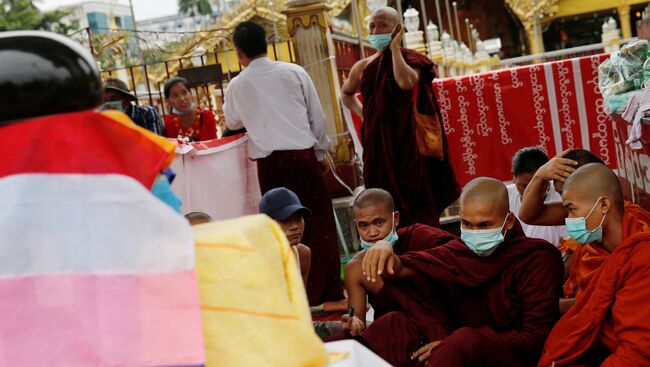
{"points": [[382, 20], [484, 205], [373, 197], [486, 190], [385, 11], [592, 181]]}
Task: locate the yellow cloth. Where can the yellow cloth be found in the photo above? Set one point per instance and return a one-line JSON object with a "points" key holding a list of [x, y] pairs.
{"points": [[254, 305]]}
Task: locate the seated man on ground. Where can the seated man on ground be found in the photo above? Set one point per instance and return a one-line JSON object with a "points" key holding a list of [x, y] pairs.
{"points": [[283, 206], [585, 258], [491, 298], [377, 220], [524, 165], [609, 324]]}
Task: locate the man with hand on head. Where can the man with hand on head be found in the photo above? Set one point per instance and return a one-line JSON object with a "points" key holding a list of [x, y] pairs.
{"points": [[585, 257]]}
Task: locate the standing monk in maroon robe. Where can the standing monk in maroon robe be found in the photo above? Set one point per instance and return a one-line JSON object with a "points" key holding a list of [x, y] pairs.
{"points": [[492, 297], [422, 186]]}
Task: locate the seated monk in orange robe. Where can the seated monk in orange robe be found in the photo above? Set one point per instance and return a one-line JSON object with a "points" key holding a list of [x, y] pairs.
{"points": [[376, 221], [609, 324], [491, 299], [587, 258], [584, 259]]}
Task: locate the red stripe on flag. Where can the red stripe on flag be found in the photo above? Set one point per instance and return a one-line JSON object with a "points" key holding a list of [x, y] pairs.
{"points": [[83, 143]]}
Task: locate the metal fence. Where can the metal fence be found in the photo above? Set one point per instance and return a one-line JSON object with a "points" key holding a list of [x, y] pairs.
{"points": [[147, 80]]}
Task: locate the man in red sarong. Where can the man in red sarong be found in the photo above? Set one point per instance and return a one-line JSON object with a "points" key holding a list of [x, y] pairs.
{"points": [[278, 105], [422, 186], [609, 325], [491, 299]]}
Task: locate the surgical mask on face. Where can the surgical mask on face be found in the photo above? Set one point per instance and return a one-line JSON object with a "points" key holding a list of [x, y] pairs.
{"points": [[392, 238], [577, 228], [380, 41], [179, 112], [114, 105], [483, 241]]}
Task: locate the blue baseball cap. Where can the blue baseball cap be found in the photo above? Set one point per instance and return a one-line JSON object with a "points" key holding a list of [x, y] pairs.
{"points": [[280, 203]]}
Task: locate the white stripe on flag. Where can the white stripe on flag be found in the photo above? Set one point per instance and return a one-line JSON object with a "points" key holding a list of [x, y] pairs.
{"points": [[580, 97], [552, 104], [84, 223]]}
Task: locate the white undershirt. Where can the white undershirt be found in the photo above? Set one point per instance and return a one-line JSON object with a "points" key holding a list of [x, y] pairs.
{"points": [[552, 234]]}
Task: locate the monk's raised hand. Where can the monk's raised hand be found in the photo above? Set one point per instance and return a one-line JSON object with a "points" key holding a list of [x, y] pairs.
{"points": [[396, 35], [374, 261], [558, 168]]}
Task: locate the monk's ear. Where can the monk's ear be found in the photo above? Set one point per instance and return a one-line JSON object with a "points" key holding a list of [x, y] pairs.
{"points": [[396, 214], [605, 205], [510, 222]]}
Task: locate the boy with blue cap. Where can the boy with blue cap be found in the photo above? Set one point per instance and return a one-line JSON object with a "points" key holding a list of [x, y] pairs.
{"points": [[283, 206]]}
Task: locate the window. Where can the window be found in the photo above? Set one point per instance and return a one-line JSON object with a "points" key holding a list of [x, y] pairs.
{"points": [[98, 22], [118, 22]]}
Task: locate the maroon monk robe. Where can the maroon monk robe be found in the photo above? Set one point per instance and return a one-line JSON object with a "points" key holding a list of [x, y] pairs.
{"points": [[488, 311], [300, 172], [417, 237], [421, 186]]}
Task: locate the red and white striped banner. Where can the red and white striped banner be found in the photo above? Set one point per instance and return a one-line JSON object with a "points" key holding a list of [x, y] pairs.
{"points": [[555, 106]]}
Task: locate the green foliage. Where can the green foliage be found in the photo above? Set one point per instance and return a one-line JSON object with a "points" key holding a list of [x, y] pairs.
{"points": [[194, 7], [23, 14]]}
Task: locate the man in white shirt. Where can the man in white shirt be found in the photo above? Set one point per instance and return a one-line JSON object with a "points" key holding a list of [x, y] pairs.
{"points": [[524, 165], [278, 105]]}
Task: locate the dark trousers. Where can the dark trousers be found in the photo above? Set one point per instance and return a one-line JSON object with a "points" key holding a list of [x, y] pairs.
{"points": [[300, 172]]}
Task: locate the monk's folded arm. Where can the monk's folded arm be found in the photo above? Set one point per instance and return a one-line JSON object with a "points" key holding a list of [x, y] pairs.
{"points": [[401, 271], [405, 76]]}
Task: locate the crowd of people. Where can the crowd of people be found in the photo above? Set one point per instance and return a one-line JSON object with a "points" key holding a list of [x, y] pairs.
{"points": [[550, 270]]}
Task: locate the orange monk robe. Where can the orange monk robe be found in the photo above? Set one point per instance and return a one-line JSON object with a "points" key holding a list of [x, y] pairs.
{"points": [[612, 310], [588, 258]]}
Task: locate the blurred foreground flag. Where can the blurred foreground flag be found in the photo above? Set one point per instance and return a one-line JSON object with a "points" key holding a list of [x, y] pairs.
{"points": [[94, 270]]}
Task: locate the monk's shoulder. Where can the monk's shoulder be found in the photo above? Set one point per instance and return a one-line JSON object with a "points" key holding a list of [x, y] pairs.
{"points": [[420, 237], [639, 257]]}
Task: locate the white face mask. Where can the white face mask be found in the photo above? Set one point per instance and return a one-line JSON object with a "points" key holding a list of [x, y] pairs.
{"points": [[483, 241], [392, 237]]}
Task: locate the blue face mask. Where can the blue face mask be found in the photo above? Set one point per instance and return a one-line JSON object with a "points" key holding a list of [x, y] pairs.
{"points": [[577, 228], [114, 105], [179, 112], [483, 241], [380, 41], [392, 238]]}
